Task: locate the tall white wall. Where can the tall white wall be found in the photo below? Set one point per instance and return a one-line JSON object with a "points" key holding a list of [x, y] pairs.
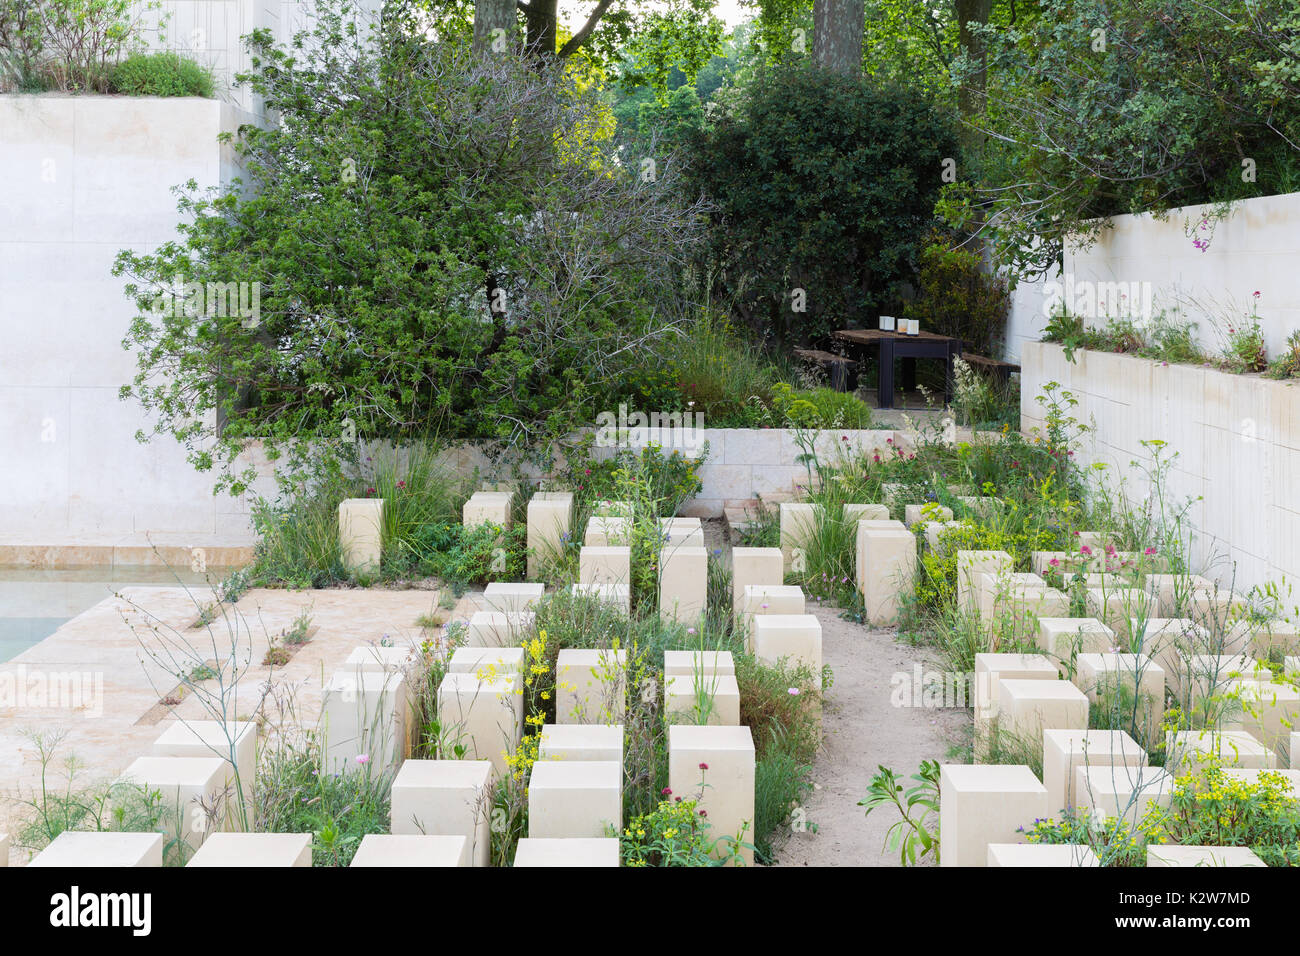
{"points": [[1237, 440], [1255, 249], [81, 178]]}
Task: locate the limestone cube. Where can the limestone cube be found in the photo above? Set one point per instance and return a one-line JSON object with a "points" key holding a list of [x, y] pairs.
{"points": [[411, 849], [618, 596], [1217, 607], [364, 715], [488, 507], [1267, 710], [972, 563], [1173, 855], [513, 597], [798, 526], [608, 565], [575, 799], [681, 532], [762, 599], [1205, 675], [378, 659], [702, 699], [499, 629], [1028, 707], [487, 661], [184, 783], [550, 524], [715, 767], [1186, 750], [754, 566], [254, 850], [1131, 687], [586, 742], [361, 522], [1170, 642], [1116, 608], [683, 583], [980, 805], [1064, 751], [915, 514], [934, 531], [94, 849], [886, 569], [445, 798], [1064, 638], [853, 513], [542, 851], [1025, 606], [483, 714], [991, 668], [794, 638], [608, 531], [1273, 640], [679, 663], [1041, 854], [612, 508], [995, 591], [234, 741], [1122, 791], [1172, 592], [590, 686]]}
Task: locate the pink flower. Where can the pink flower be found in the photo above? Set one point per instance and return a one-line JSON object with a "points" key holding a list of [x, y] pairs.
{"points": [[1149, 551], [1055, 562], [401, 484], [666, 792], [1085, 550], [793, 691], [363, 759], [704, 766]]}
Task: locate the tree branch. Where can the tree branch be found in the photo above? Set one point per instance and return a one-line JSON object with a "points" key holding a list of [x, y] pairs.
{"points": [[579, 38]]}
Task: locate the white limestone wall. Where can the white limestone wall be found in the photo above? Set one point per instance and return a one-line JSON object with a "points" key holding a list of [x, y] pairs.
{"points": [[1255, 249], [1237, 439], [1027, 317], [81, 178]]}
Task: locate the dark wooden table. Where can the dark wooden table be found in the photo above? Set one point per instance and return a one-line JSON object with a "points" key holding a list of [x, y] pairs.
{"points": [[909, 348]]}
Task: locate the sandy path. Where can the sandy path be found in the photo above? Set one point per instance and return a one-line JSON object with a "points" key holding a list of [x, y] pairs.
{"points": [[862, 730]]}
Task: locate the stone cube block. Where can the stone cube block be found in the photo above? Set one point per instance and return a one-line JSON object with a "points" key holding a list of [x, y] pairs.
{"points": [[683, 583], [618, 596], [183, 783], [754, 566], [886, 569], [981, 805], [1065, 751], [972, 563], [543, 851], [608, 531], [608, 565], [794, 638], [679, 663], [364, 714], [445, 798], [361, 522], [1268, 710], [512, 597], [853, 513], [1028, 707], [488, 507], [1172, 592], [1122, 791], [487, 661], [1063, 638], [1129, 686], [1116, 608], [411, 849], [762, 599], [1186, 750], [550, 525], [715, 767], [575, 799], [585, 742], [681, 532], [915, 514], [590, 686], [702, 699], [235, 742], [254, 850], [1041, 854], [483, 714], [93, 849], [798, 526], [1173, 855], [498, 629]]}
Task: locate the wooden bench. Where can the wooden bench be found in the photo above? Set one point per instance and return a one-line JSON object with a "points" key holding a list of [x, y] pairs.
{"points": [[837, 366], [988, 365]]}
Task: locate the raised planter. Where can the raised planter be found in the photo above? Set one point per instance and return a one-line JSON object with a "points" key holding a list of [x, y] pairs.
{"points": [[1237, 439]]}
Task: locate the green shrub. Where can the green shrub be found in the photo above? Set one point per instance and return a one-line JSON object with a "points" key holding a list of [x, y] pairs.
{"points": [[160, 74], [821, 183], [958, 297], [818, 408]]}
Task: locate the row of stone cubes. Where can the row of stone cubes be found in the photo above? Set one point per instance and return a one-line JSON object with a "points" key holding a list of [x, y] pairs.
{"points": [[109, 849]]}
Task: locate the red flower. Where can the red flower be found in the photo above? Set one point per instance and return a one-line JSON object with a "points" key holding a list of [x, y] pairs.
{"points": [[704, 766]]}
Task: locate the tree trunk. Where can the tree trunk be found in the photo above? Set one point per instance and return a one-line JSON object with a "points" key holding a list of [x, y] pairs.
{"points": [[837, 35], [541, 17], [490, 16], [970, 98]]}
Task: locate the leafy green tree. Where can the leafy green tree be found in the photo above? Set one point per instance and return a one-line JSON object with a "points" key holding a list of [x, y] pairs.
{"points": [[427, 241], [821, 188]]}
